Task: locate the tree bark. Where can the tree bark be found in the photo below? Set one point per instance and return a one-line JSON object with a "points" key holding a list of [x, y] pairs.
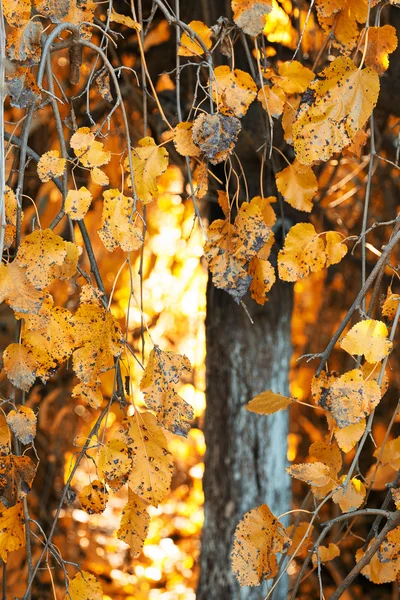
{"points": [[246, 453]]}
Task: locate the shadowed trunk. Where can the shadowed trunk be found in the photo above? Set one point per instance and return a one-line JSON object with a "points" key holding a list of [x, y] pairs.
{"points": [[246, 453]]}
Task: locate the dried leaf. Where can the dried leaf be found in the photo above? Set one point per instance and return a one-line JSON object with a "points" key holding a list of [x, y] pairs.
{"points": [[353, 497], [272, 100], [316, 474], [258, 537], [93, 497], [347, 437], [55, 11], [369, 339], [151, 474], [77, 203], [390, 455], [385, 564], [293, 77], [382, 41], [149, 163], [20, 366], [125, 20], [135, 522], [298, 185], [24, 43], [22, 423], [5, 436], [344, 99], [17, 12], [12, 530], [390, 305], [263, 274], [233, 91], [117, 228], [17, 291], [335, 248], [267, 403], [16, 476], [183, 140], [216, 135], [114, 459], [99, 177], [326, 553], [51, 165], [299, 533], [84, 586], [158, 384], [38, 253], [250, 15], [191, 47]]}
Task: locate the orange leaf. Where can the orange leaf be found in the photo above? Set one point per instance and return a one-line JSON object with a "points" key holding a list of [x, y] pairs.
{"points": [[351, 498], [298, 185], [368, 338], [191, 47], [382, 41], [326, 553], [114, 459], [390, 454], [20, 366], [316, 474], [385, 564], [135, 522], [347, 437], [93, 497], [267, 403], [272, 100], [183, 140], [263, 274], [51, 165], [233, 91], [293, 77], [12, 529], [303, 252]]}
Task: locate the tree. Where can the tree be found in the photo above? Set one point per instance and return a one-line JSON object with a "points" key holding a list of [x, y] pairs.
{"points": [[270, 111]]}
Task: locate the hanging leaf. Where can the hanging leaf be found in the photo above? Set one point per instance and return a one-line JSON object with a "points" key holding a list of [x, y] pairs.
{"points": [[77, 203], [250, 15], [390, 455], [38, 253], [149, 163], [298, 185], [99, 177], [114, 460], [382, 41], [135, 522], [258, 537], [125, 20], [326, 553], [384, 565], [369, 339], [151, 474], [16, 477], [216, 135], [117, 228], [351, 498], [22, 423], [347, 437], [82, 139], [303, 252], [263, 274], [17, 12], [51, 166], [302, 535], [55, 11], [84, 586], [24, 43], [293, 77], [267, 403], [335, 248], [316, 474], [233, 91], [272, 100], [158, 384], [20, 366], [12, 530], [90, 394], [191, 47], [93, 497], [344, 99], [17, 291], [183, 140], [389, 308], [341, 18]]}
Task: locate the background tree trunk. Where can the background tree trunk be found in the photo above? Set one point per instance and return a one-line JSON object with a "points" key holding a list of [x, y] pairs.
{"points": [[246, 453]]}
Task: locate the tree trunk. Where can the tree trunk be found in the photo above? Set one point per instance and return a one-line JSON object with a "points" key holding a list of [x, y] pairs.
{"points": [[246, 453]]}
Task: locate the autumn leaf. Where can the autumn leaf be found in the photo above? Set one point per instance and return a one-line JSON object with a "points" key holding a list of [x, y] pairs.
{"points": [[20, 366], [38, 253], [351, 398], [55, 11], [149, 163], [5, 436], [233, 91], [267, 212], [390, 455], [93, 155], [258, 537], [250, 15], [316, 474], [117, 228], [329, 455], [114, 460], [302, 535], [369, 339], [183, 140], [351, 498], [90, 394], [389, 307], [267, 403], [93, 497], [347, 437], [23, 42], [16, 477], [124, 20], [341, 17], [98, 339], [335, 248], [272, 100], [344, 99], [77, 203], [384, 565], [382, 41], [99, 177], [17, 12], [298, 185], [151, 474], [51, 165], [134, 524], [189, 46], [293, 77], [12, 529], [22, 423], [158, 384], [84, 586], [263, 274], [17, 291], [82, 139], [303, 252], [326, 553], [216, 135]]}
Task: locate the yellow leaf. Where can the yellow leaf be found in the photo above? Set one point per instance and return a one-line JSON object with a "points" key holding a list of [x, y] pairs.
{"points": [[77, 203], [12, 529], [135, 522], [258, 537], [369, 339], [68, 268], [347, 437], [191, 47], [22, 423], [158, 384], [117, 228], [114, 460], [99, 177], [82, 139], [272, 100], [382, 41], [299, 533], [233, 91], [298, 185], [351, 398], [344, 99], [250, 15], [353, 497], [268, 213], [51, 165], [329, 455], [263, 274], [5, 437], [98, 338], [10, 210], [183, 140], [84, 586], [38, 252], [390, 454], [267, 403], [20, 366], [316, 474], [289, 117], [335, 249], [149, 163], [293, 77], [89, 394], [93, 156], [125, 20], [389, 308], [341, 18], [17, 291], [303, 252], [326, 553], [93, 497], [384, 564], [151, 474]]}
